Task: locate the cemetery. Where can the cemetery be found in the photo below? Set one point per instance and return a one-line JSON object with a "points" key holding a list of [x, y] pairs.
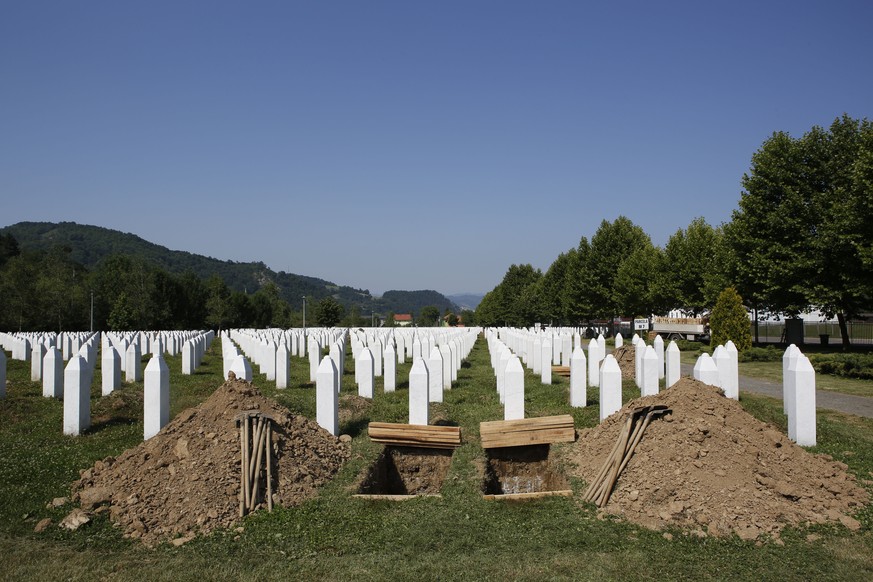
{"points": [[449, 418]]}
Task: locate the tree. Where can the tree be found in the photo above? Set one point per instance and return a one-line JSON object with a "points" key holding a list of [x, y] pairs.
{"points": [[8, 248], [611, 245], [730, 321], [553, 289], [635, 290], [328, 312], [801, 235], [694, 270], [467, 318], [217, 303], [429, 315], [579, 284]]}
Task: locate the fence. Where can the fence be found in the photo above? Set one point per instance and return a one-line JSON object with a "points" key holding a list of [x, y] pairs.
{"points": [[815, 332]]}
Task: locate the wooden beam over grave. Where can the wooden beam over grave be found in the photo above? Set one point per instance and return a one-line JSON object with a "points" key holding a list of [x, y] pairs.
{"points": [[527, 431], [415, 435]]}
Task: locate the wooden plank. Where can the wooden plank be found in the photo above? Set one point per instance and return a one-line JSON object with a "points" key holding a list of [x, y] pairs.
{"points": [[528, 431], [525, 496], [413, 435], [561, 371]]}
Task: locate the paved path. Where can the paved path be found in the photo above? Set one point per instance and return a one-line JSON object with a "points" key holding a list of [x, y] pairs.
{"points": [[857, 405]]}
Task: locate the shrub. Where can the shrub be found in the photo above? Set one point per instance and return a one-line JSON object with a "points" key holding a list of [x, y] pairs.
{"points": [[768, 354], [729, 321], [858, 366]]}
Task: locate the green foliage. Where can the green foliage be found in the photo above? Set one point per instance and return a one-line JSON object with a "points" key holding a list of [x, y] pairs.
{"points": [[802, 233], [514, 301], [766, 354], [468, 317], [328, 312], [858, 366], [429, 316], [636, 282], [729, 321], [8, 248], [694, 268], [611, 245]]}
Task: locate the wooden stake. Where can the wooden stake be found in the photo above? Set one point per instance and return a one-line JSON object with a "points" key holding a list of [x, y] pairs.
{"points": [[269, 472], [242, 470], [246, 453], [258, 458]]}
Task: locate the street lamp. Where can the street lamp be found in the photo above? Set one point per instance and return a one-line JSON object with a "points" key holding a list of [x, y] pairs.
{"points": [[304, 315]]}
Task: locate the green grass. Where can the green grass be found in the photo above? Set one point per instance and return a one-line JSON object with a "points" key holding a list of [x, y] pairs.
{"points": [[337, 537]]}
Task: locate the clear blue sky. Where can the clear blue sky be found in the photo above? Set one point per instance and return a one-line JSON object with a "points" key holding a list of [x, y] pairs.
{"points": [[407, 145]]}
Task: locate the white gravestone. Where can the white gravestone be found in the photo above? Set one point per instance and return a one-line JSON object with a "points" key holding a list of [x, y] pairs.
{"points": [[731, 383], [435, 375], [283, 366], [649, 375], [241, 368], [578, 380], [389, 378], [53, 374], [110, 367], [36, 357], [594, 359], [546, 374], [672, 363], [514, 386], [77, 397], [156, 393], [787, 389], [418, 392], [326, 396], [133, 363], [801, 415], [658, 344], [610, 387], [364, 373]]}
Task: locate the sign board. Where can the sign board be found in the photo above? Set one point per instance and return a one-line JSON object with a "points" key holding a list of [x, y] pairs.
{"points": [[641, 324]]}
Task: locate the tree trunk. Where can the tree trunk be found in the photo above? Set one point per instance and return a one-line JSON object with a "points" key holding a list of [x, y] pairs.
{"points": [[844, 330]]}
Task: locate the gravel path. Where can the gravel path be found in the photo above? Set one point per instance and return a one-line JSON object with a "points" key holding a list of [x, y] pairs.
{"points": [[857, 405]]}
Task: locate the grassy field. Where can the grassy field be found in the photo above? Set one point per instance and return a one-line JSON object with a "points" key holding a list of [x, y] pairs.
{"points": [[337, 537]]}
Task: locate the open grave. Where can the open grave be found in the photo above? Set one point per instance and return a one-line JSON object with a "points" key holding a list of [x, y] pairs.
{"points": [[518, 465], [414, 462]]}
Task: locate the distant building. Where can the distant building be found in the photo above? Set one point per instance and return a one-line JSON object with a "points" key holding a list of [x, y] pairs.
{"points": [[402, 319]]}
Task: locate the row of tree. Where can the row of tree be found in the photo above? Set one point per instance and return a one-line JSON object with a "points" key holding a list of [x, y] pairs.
{"points": [[801, 239]]}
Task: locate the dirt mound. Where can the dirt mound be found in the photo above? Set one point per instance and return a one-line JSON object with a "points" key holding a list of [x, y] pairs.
{"points": [[186, 479], [712, 467], [625, 357]]}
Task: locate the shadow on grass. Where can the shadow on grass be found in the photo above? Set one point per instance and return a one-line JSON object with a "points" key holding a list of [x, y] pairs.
{"points": [[355, 426]]}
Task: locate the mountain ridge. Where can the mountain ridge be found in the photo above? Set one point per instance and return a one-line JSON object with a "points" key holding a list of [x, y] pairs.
{"points": [[90, 244]]}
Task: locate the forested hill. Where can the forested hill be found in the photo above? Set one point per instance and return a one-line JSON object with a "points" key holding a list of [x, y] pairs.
{"points": [[88, 245]]}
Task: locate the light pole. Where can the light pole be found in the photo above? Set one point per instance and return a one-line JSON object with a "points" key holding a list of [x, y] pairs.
{"points": [[304, 315]]}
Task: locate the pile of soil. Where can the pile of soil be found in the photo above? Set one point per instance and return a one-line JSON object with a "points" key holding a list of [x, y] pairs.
{"points": [[186, 479], [713, 468], [626, 362]]}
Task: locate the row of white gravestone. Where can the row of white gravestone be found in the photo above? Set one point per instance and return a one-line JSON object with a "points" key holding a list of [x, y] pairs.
{"points": [[447, 351]]}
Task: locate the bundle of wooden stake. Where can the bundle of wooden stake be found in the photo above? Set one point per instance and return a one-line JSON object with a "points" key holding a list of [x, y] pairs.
{"points": [[256, 445], [600, 489]]}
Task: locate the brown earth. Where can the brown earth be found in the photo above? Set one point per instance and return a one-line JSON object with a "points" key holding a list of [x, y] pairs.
{"points": [[186, 479], [625, 357], [714, 469], [407, 471]]}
